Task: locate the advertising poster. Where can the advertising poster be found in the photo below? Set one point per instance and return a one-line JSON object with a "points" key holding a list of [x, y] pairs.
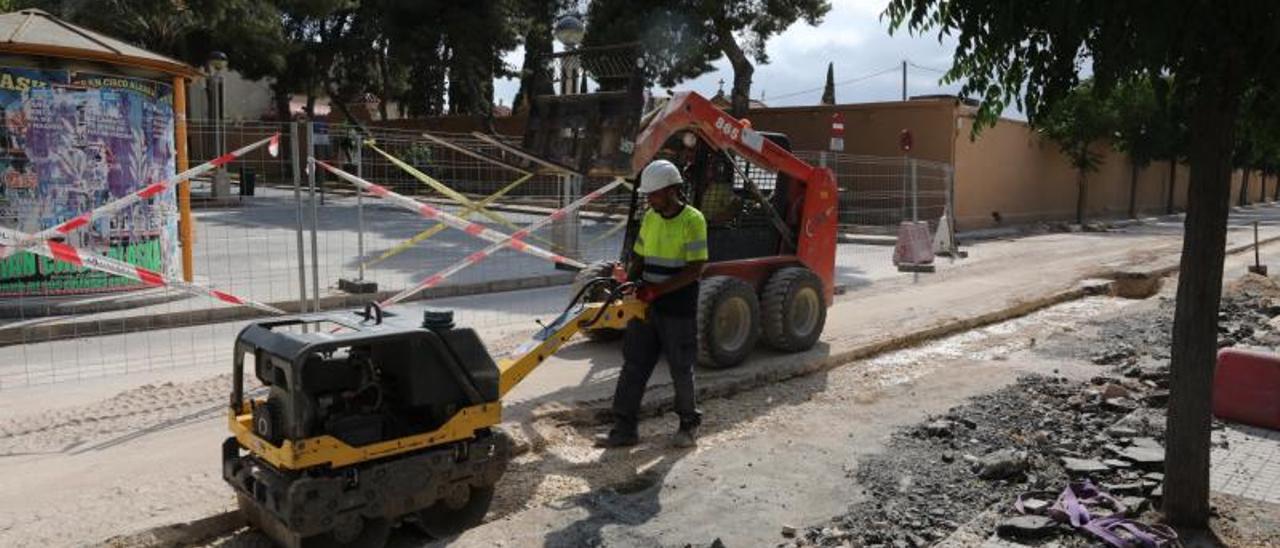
{"points": [[73, 142]]}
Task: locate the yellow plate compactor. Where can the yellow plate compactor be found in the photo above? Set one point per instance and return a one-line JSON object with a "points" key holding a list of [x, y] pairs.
{"points": [[364, 421]]}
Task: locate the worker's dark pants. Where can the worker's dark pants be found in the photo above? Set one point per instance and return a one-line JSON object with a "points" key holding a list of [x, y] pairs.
{"points": [[673, 337]]}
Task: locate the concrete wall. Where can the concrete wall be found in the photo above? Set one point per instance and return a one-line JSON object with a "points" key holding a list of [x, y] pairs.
{"points": [[871, 129], [1012, 170], [243, 99]]}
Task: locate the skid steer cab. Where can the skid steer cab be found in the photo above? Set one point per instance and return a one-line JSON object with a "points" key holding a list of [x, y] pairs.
{"points": [[352, 423]]}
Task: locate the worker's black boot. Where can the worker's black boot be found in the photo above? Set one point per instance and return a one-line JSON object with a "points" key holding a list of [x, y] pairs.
{"points": [[625, 433], [618, 435], [685, 438]]}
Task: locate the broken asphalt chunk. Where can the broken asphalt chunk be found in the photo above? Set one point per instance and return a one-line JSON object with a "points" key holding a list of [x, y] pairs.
{"points": [[1147, 458], [1002, 464], [1080, 467], [1026, 527]]}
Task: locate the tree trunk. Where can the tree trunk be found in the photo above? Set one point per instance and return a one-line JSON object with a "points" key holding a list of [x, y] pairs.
{"points": [[1244, 187], [1173, 186], [340, 104], [281, 100], [1195, 333], [742, 72], [535, 72], [1133, 190], [384, 75], [1082, 196], [210, 97]]}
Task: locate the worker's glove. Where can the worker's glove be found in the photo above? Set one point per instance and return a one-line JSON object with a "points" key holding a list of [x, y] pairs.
{"points": [[646, 293], [618, 273]]}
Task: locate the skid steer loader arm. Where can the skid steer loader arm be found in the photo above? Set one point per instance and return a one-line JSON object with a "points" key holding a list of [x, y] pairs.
{"points": [[816, 193]]}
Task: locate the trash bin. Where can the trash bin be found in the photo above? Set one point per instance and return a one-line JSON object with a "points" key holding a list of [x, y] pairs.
{"points": [[247, 180]]}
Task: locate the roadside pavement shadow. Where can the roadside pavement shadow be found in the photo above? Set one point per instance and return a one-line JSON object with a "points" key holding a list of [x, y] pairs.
{"points": [[628, 503], [625, 484], [852, 277]]}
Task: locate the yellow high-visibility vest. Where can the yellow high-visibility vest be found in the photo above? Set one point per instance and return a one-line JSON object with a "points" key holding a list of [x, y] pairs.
{"points": [[667, 245]]}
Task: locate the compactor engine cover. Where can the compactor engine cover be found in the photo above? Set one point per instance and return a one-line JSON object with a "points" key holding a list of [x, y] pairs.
{"points": [[359, 422]]}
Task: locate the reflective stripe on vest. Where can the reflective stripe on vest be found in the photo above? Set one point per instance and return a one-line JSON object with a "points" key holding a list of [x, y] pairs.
{"points": [[668, 245]]}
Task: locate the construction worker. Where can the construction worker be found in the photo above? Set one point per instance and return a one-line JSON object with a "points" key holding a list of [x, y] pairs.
{"points": [[669, 254]]}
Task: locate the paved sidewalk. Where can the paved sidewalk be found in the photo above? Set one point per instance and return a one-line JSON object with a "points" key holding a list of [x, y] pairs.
{"points": [[1246, 462]]}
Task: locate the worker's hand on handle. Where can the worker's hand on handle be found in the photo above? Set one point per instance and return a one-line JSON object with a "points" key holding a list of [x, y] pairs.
{"points": [[647, 293], [618, 272]]}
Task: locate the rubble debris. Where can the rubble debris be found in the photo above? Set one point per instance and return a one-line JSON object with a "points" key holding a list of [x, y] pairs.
{"points": [[1117, 463], [1079, 467], [1113, 390], [1144, 457], [1108, 431], [1026, 527], [1002, 464], [939, 428], [1035, 505]]}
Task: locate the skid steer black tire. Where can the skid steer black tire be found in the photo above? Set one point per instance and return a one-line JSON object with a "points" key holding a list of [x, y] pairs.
{"points": [[793, 310], [598, 269], [728, 322]]}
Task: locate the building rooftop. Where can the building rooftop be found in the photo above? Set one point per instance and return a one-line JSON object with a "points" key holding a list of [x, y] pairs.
{"points": [[36, 32]]}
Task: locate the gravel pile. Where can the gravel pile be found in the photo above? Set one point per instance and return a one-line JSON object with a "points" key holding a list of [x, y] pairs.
{"points": [[1033, 438]]}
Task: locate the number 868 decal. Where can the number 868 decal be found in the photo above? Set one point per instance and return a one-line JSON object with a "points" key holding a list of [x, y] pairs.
{"points": [[728, 128]]}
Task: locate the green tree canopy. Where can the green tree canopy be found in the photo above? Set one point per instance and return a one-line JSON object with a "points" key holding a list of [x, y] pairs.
{"points": [[428, 54], [1140, 129], [676, 44], [1076, 123], [248, 31], [683, 37], [829, 89]]}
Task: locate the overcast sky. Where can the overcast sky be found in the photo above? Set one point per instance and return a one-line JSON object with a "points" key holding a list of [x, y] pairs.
{"points": [[853, 36]]}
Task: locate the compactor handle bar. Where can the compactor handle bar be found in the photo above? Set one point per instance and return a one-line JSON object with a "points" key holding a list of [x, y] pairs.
{"points": [[616, 290]]}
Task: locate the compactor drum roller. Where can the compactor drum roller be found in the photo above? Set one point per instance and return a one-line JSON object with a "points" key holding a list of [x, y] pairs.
{"points": [[365, 424]]}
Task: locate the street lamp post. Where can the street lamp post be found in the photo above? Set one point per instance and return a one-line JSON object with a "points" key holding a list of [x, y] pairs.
{"points": [[569, 30]]}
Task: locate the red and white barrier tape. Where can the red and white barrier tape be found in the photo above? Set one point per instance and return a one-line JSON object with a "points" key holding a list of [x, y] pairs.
{"points": [[68, 254], [514, 241], [83, 219], [483, 254]]}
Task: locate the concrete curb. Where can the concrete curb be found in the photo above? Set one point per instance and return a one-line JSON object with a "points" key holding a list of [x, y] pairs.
{"points": [[26, 308], [130, 324], [866, 239], [595, 412]]}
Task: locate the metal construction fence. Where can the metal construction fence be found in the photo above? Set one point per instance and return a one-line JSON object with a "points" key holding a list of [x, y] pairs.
{"points": [[879, 193], [268, 228]]}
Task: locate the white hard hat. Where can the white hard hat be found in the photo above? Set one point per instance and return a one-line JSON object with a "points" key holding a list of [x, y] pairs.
{"points": [[658, 175]]}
